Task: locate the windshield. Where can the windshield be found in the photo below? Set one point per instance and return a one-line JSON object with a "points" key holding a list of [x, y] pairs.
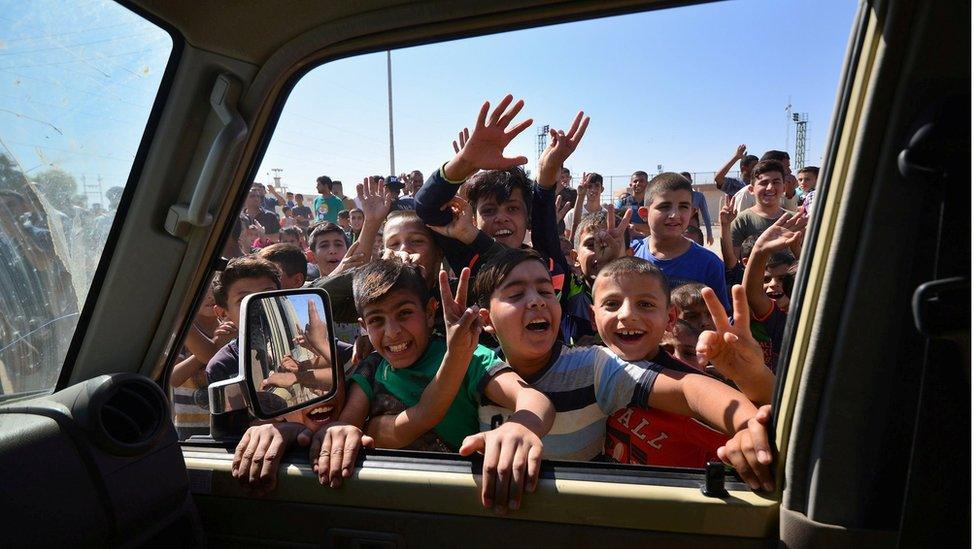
{"points": [[77, 84]]}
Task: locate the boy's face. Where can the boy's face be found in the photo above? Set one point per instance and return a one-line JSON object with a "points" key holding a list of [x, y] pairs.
{"points": [[669, 214], [299, 199], [323, 188], [594, 190], [356, 220], [238, 290], [697, 316], [807, 181], [399, 327], [638, 184], [631, 314], [404, 235], [524, 313], [315, 417], [343, 222], [337, 189], [746, 170], [505, 222], [328, 249], [289, 282], [595, 250], [777, 281], [768, 188], [681, 343]]}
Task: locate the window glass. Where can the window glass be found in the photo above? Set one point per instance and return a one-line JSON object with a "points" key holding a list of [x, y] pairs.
{"points": [[705, 125], [77, 83]]}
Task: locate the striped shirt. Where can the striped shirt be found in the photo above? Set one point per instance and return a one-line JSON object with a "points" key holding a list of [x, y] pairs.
{"points": [[585, 385]]}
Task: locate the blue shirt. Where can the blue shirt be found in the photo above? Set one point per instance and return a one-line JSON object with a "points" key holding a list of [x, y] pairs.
{"points": [[731, 185], [628, 201], [698, 264]]}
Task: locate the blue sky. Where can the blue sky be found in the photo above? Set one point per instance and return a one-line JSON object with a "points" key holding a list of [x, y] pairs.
{"points": [[680, 87]]}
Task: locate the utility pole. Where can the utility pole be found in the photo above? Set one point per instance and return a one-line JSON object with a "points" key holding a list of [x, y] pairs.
{"points": [[789, 113], [800, 156], [389, 92]]}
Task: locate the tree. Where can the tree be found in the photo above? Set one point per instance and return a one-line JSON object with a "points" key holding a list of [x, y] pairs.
{"points": [[58, 186], [10, 176]]}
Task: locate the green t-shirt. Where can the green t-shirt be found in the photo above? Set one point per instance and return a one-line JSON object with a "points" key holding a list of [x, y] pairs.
{"points": [[749, 223], [392, 390], [333, 204]]}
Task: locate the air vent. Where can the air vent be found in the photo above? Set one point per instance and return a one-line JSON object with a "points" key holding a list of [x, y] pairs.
{"points": [[130, 415]]}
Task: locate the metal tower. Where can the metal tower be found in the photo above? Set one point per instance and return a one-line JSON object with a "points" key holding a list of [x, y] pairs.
{"points": [[800, 156], [277, 179], [541, 141]]}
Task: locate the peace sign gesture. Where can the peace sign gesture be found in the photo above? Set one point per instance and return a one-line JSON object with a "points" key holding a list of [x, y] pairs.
{"points": [[463, 325], [731, 347], [727, 214], [484, 149]]}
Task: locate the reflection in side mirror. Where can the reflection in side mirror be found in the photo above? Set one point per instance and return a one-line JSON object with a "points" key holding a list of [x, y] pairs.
{"points": [[288, 351]]}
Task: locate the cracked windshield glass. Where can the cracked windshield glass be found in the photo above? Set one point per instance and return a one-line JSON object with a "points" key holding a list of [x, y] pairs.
{"points": [[77, 84]]}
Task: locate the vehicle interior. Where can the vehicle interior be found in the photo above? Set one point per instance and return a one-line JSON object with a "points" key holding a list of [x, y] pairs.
{"points": [[871, 419]]}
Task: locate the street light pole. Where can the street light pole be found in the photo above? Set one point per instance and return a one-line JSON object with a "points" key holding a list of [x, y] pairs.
{"points": [[389, 90]]}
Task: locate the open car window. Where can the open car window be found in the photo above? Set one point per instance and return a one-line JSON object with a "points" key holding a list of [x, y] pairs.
{"points": [[659, 102], [78, 83]]}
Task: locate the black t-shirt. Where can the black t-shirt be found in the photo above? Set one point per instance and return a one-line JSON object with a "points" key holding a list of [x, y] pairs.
{"points": [[268, 219]]}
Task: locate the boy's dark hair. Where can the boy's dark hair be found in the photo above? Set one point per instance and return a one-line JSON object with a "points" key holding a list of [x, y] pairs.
{"points": [[289, 256], [300, 195], [810, 169], [665, 182], [285, 209], [767, 166], [324, 179], [343, 214], [784, 257], [294, 231], [359, 210], [335, 182], [493, 273], [240, 268], [594, 178], [640, 173], [500, 184], [375, 280], [778, 156], [747, 244], [322, 228], [688, 177], [595, 221], [688, 295], [748, 160], [635, 265]]}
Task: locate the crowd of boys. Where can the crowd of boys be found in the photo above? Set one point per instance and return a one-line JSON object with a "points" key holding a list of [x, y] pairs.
{"points": [[521, 318]]}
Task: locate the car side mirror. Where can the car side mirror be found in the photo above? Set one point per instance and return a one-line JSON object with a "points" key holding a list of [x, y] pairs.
{"points": [[269, 325], [288, 351]]}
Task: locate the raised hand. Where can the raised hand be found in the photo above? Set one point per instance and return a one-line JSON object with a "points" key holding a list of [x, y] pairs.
{"points": [[375, 198], [727, 214], [315, 336], [353, 258], [463, 137], [563, 206], [225, 332], [484, 149], [561, 146], [462, 323], [730, 347], [785, 233], [462, 226], [740, 152]]}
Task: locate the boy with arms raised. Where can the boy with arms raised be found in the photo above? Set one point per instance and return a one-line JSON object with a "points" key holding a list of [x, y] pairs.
{"points": [[587, 384], [767, 185], [668, 205], [422, 392], [504, 200], [768, 281]]}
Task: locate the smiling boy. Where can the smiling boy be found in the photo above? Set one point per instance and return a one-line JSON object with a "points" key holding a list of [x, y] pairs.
{"points": [[588, 384], [668, 205], [422, 392], [767, 185]]}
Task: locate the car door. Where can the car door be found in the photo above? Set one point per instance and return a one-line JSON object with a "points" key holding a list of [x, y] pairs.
{"points": [[231, 71]]}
